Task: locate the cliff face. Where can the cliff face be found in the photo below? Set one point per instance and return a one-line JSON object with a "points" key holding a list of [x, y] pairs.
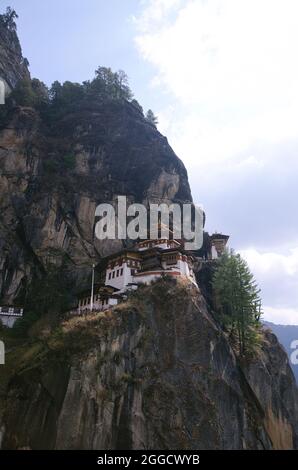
{"points": [[155, 373], [52, 180], [12, 65]]}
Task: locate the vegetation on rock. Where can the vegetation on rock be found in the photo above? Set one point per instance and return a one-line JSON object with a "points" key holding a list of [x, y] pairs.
{"points": [[156, 359], [151, 118], [50, 293], [237, 301], [60, 99], [8, 18]]}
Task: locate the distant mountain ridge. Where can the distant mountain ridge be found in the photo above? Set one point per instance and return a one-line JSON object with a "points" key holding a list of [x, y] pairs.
{"points": [[286, 335]]}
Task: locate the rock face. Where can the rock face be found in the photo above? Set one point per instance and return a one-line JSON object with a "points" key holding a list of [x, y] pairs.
{"points": [[155, 373], [48, 205], [13, 67]]}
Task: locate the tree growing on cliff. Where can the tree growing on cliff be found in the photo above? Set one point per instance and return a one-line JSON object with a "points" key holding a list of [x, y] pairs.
{"points": [[31, 93], [122, 85], [66, 95], [238, 301], [50, 293], [23, 93], [111, 85], [150, 116], [8, 18]]}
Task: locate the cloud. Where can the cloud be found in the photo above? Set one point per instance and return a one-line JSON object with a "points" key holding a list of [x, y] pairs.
{"points": [[231, 64], [277, 275], [229, 71], [216, 50], [281, 316], [272, 263], [154, 13]]}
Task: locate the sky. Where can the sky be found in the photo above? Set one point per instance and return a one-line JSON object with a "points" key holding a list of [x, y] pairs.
{"points": [[222, 77]]}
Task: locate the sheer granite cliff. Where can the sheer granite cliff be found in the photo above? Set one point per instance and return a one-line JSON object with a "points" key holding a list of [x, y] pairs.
{"points": [[53, 178], [154, 373]]}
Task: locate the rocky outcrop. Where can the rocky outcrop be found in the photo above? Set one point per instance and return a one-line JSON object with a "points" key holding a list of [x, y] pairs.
{"points": [[276, 392], [154, 373], [52, 179], [13, 67]]}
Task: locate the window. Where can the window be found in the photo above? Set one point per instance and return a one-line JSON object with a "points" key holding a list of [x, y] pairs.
{"points": [[117, 272], [121, 272], [132, 272], [110, 275], [113, 274]]}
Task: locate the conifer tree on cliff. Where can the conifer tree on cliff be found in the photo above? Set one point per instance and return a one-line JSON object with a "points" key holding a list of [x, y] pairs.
{"points": [[9, 17], [237, 301], [151, 118]]}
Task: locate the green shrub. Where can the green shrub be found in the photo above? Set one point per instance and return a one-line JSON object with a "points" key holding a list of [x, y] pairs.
{"points": [[22, 325], [69, 161]]}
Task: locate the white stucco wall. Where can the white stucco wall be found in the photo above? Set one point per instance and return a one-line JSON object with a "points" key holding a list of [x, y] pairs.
{"points": [[98, 305], [183, 267], [121, 281], [214, 254], [5, 90], [9, 320]]}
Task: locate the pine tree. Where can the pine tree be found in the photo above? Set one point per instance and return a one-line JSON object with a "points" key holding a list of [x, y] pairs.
{"points": [[8, 18], [151, 117], [122, 85], [108, 84], [237, 301]]}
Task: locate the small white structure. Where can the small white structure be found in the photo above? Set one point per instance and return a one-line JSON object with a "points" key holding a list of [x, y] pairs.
{"points": [[9, 315], [2, 357], [103, 299], [5, 90], [218, 244]]}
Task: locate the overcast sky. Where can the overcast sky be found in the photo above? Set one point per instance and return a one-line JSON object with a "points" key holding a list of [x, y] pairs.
{"points": [[222, 76]]}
